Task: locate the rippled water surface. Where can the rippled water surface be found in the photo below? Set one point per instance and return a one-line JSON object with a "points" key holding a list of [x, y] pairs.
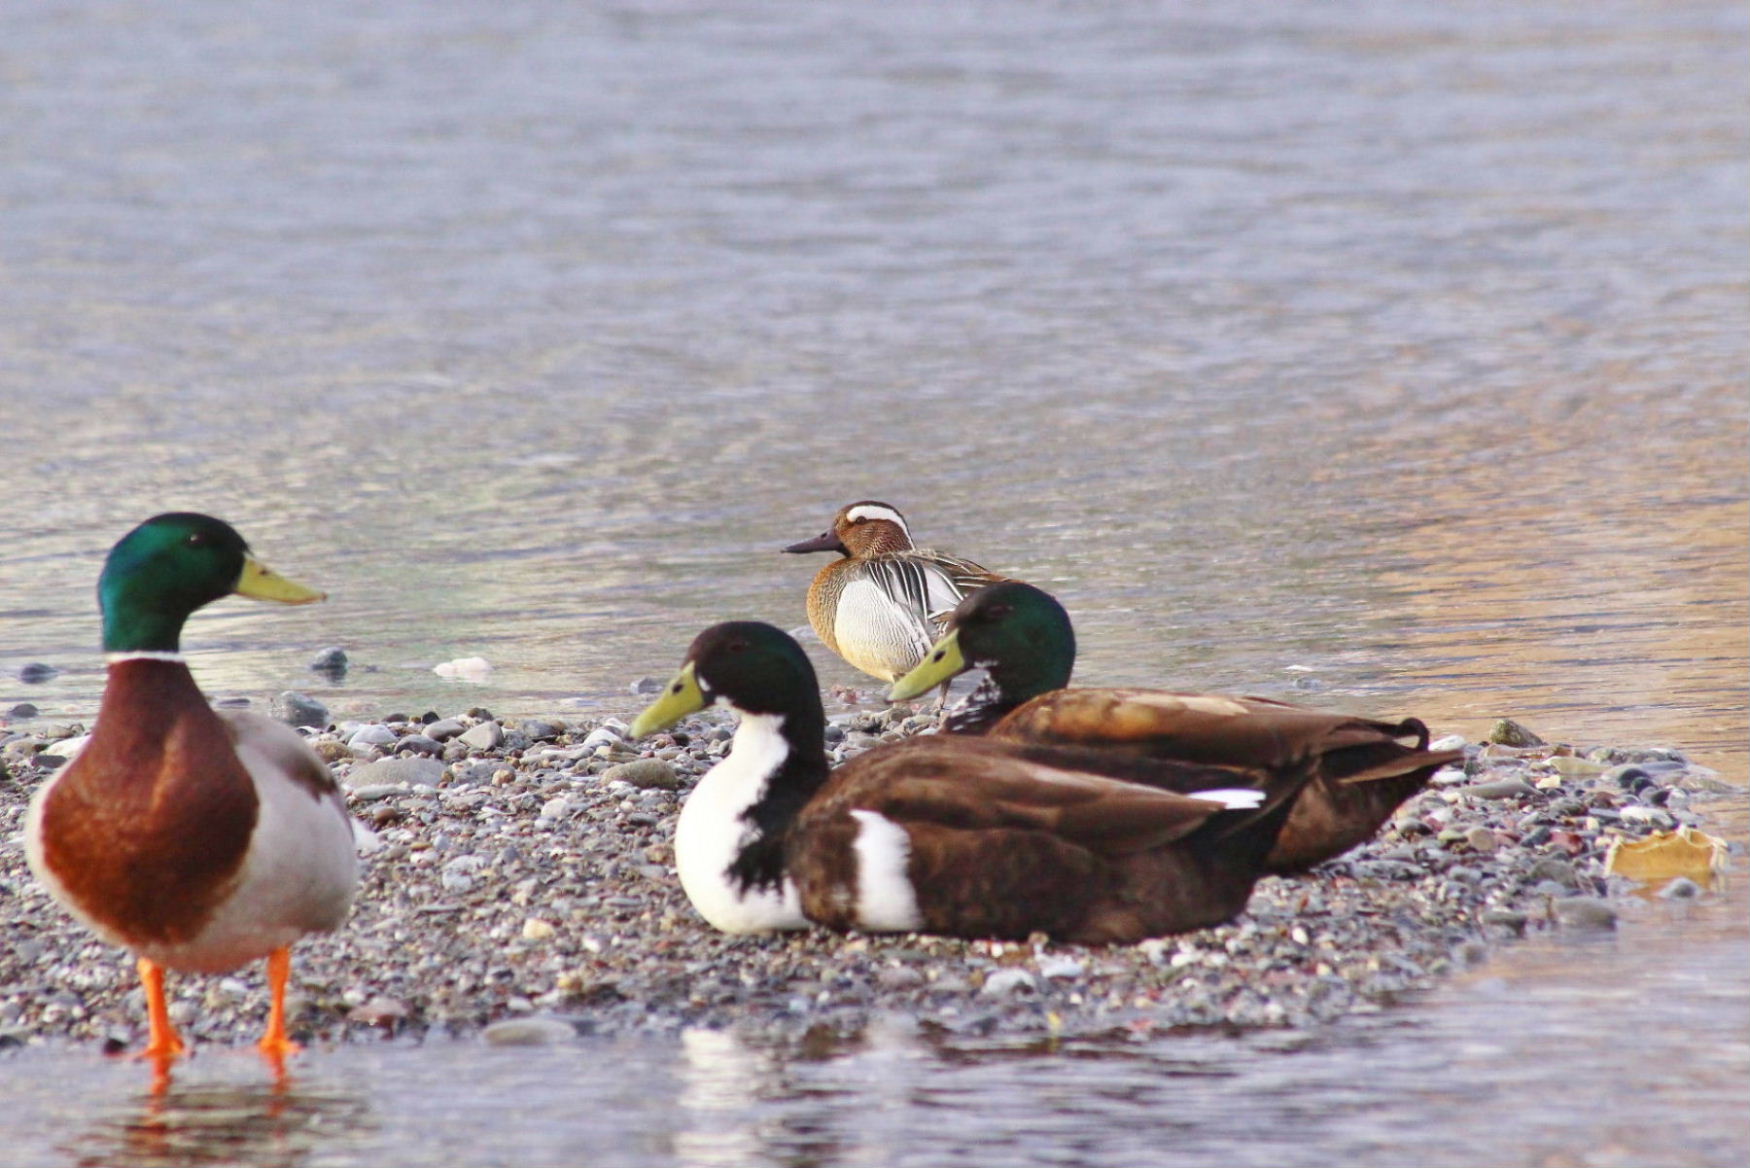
{"points": [[1391, 356], [1511, 1065]]}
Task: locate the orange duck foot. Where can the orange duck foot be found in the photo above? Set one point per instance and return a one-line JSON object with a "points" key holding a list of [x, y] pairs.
{"points": [[163, 1043], [276, 1044]]}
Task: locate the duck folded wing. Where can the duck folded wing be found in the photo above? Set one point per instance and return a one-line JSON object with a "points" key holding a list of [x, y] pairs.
{"points": [[1209, 728], [925, 783], [925, 584]]}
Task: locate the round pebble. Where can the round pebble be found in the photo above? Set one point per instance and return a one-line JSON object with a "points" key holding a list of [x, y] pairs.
{"points": [[296, 709]]}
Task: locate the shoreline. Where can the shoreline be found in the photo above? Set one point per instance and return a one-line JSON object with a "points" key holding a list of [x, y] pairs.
{"points": [[518, 883]]}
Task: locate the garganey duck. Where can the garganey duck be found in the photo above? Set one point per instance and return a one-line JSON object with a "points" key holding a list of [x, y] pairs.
{"points": [[945, 834], [882, 604], [1022, 637], [199, 839]]}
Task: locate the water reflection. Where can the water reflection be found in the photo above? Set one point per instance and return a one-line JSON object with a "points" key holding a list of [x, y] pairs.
{"points": [[249, 1125]]}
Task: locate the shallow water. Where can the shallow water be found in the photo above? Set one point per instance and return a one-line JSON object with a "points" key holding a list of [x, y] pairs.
{"points": [[1513, 1064], [1391, 357]]}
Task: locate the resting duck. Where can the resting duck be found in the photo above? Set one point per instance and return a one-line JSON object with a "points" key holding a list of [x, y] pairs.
{"points": [[881, 605], [199, 839], [1022, 637], [944, 834]]}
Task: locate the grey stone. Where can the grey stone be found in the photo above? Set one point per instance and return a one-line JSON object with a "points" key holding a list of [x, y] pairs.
{"points": [[898, 977], [1387, 870], [472, 774], [1004, 982], [397, 770], [541, 730], [37, 671], [371, 734], [1682, 888], [444, 729], [1500, 789], [1586, 912], [485, 736], [296, 709], [644, 773], [1061, 968], [331, 660], [1629, 776], [646, 685], [1655, 816], [23, 710], [371, 792], [600, 736], [1505, 919], [419, 744], [1481, 839], [1554, 868], [532, 1031]]}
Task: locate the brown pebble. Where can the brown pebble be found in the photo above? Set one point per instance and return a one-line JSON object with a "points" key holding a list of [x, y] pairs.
{"points": [[1507, 732]]}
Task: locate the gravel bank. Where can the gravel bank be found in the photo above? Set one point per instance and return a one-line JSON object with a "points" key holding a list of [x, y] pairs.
{"points": [[520, 884]]}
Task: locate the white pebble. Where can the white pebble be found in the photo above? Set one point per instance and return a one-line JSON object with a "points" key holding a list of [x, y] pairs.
{"points": [[1060, 968], [374, 734], [464, 668], [1007, 981]]}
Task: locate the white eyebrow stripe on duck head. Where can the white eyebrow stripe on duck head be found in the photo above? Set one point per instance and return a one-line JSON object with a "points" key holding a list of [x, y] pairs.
{"points": [[873, 511]]}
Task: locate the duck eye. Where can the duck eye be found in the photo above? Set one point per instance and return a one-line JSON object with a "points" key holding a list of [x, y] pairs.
{"points": [[999, 611], [197, 539]]}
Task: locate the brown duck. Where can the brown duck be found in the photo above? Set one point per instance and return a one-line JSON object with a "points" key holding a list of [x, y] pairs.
{"points": [[1362, 768]]}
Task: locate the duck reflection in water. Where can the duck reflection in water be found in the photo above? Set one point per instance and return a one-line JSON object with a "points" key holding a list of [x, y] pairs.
{"points": [[249, 1125]]}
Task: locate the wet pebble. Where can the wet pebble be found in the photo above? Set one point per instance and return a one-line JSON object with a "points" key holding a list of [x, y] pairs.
{"points": [[297, 709], [332, 661], [1585, 912], [531, 1031], [1681, 888]]}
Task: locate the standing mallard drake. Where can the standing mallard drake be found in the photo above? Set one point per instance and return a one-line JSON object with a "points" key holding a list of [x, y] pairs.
{"points": [[946, 834], [199, 839], [882, 604], [1022, 637]]}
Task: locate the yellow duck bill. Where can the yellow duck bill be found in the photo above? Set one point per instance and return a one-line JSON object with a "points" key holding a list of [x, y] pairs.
{"points": [[943, 662], [680, 697], [260, 582]]}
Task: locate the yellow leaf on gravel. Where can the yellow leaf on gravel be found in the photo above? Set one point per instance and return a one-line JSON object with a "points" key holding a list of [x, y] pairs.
{"points": [[1665, 855]]}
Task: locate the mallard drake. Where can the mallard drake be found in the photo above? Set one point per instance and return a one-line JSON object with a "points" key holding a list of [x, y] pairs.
{"points": [[198, 839], [1022, 637], [881, 605], [945, 834]]}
